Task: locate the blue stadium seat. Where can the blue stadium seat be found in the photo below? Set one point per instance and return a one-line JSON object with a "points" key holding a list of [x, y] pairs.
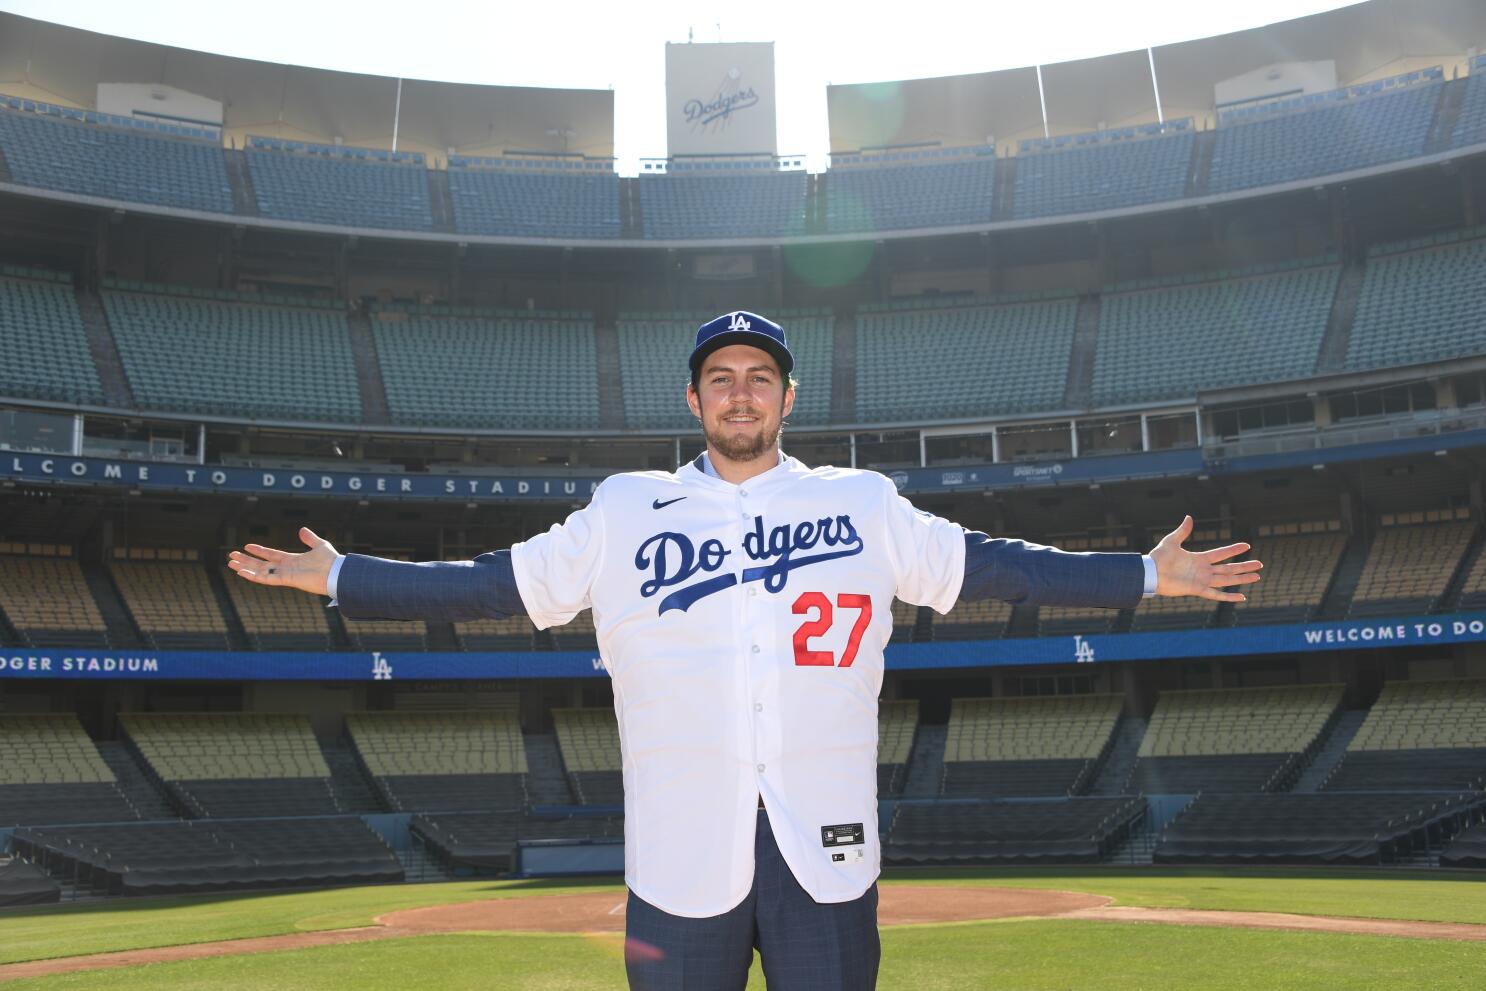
{"points": [[963, 361], [135, 166], [235, 358], [894, 197], [1470, 126], [339, 187], [513, 202], [1420, 305], [1103, 176], [44, 344], [493, 371], [705, 205], [1337, 136], [1171, 342]]}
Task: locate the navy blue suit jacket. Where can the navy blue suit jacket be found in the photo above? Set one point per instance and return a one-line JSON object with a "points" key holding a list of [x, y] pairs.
{"points": [[995, 568]]}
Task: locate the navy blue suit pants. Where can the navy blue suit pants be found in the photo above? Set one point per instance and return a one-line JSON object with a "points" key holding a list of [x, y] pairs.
{"points": [[804, 945]]}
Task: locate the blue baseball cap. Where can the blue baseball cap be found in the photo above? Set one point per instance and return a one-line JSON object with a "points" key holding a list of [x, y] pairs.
{"points": [[742, 327]]}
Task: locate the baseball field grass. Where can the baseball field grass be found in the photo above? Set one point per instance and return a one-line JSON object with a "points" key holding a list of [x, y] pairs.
{"points": [[1008, 954]]}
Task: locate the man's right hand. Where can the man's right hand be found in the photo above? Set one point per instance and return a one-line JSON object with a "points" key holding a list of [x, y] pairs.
{"points": [[307, 572]]}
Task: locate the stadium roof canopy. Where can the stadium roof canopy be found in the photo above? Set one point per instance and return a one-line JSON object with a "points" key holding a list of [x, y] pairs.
{"points": [[1365, 41], [49, 62]]}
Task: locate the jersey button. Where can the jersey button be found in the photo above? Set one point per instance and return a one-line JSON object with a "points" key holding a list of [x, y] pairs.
{"points": [[755, 648], [761, 767], [758, 707]]}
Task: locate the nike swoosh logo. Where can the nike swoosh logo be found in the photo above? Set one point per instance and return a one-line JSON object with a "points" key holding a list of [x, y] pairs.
{"points": [[657, 504]]}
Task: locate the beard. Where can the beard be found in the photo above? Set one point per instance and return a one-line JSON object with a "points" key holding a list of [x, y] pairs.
{"points": [[742, 447]]}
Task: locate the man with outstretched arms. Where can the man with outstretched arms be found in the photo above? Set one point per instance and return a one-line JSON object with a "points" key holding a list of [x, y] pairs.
{"points": [[742, 603]]}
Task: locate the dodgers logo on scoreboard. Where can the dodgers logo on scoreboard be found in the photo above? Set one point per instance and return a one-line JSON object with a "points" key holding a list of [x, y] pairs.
{"points": [[1083, 651], [720, 107]]}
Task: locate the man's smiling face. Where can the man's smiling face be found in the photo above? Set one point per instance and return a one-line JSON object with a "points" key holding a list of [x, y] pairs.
{"points": [[742, 400]]}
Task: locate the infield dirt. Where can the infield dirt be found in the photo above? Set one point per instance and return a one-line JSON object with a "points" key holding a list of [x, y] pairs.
{"points": [[604, 912]]}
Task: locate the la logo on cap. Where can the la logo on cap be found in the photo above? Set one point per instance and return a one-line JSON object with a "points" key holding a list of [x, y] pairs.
{"points": [[739, 323]]}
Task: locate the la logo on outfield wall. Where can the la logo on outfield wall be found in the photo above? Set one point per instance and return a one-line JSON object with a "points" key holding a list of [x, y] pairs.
{"points": [[1083, 651], [381, 670]]}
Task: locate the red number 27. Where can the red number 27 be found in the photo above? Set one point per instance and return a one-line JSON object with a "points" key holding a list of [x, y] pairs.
{"points": [[818, 626]]}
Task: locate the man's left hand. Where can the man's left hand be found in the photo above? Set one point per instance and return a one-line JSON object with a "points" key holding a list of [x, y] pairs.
{"points": [[1183, 572]]}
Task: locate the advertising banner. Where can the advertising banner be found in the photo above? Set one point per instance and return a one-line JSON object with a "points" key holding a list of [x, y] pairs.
{"points": [[1295, 638]]}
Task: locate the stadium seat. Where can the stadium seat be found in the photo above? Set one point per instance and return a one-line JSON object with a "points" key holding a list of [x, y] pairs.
{"points": [[498, 371], [1035, 746], [1409, 565], [1419, 304], [1305, 829], [588, 740], [443, 761], [878, 197], [1234, 740], [130, 164], [723, 205], [487, 841], [48, 602], [1103, 176], [189, 857], [235, 764], [274, 621], [1268, 326], [323, 184], [188, 354], [172, 603], [51, 772], [1299, 562], [1467, 849], [970, 361], [1418, 735], [512, 633], [44, 343], [1335, 136], [528, 202], [1072, 831], [981, 619], [897, 722], [25, 884], [1470, 126], [386, 634]]}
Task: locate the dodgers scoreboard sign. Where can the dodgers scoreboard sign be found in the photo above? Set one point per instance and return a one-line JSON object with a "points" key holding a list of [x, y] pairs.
{"points": [[1296, 638], [720, 99]]}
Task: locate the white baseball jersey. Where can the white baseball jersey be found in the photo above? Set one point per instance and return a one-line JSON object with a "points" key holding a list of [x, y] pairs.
{"points": [[743, 627]]}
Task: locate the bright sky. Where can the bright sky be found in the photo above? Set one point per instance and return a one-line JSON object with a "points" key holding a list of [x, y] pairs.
{"points": [[597, 45]]}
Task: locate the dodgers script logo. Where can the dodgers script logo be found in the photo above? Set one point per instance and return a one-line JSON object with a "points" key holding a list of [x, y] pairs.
{"points": [[722, 106], [671, 558]]}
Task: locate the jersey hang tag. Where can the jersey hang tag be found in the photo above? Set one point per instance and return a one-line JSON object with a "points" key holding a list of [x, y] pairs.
{"points": [[849, 834]]}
